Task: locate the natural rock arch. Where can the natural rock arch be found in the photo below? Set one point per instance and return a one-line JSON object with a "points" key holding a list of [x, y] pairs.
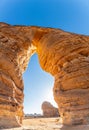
{"points": [[64, 55]]}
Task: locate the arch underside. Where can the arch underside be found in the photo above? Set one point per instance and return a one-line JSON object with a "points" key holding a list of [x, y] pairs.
{"points": [[64, 55]]}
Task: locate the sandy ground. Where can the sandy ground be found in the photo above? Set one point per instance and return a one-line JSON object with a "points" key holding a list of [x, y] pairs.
{"points": [[46, 124]]}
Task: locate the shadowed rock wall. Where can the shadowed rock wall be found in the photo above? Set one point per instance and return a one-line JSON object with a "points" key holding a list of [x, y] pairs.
{"points": [[64, 55]]}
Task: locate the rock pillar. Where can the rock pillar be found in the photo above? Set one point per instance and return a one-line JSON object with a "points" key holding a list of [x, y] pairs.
{"points": [[15, 52], [66, 57]]}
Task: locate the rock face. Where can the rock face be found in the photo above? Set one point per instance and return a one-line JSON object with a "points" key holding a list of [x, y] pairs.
{"points": [[64, 55], [49, 110]]}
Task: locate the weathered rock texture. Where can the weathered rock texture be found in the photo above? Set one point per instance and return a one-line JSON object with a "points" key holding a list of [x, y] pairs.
{"points": [[64, 55], [49, 110]]}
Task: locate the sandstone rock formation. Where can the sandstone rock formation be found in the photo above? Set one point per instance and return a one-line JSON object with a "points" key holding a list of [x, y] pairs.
{"points": [[64, 55], [49, 110]]}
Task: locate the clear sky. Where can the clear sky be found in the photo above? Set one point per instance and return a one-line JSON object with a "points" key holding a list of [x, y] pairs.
{"points": [[69, 15]]}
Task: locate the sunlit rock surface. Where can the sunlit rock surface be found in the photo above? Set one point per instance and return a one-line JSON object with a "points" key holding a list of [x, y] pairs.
{"points": [[49, 110], [64, 55]]}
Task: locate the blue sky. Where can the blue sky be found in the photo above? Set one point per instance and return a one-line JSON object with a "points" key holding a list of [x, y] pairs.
{"points": [[69, 15]]}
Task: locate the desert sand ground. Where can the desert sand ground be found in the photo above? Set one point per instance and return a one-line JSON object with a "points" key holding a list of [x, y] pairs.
{"points": [[46, 124]]}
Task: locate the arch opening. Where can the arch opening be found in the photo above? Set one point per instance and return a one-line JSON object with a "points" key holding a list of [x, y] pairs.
{"points": [[38, 87]]}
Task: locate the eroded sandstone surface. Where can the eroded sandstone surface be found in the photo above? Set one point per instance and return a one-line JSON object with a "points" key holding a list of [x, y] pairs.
{"points": [[64, 55], [49, 110]]}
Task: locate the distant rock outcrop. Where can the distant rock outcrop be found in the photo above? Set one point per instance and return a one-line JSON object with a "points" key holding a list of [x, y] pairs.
{"points": [[49, 110]]}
